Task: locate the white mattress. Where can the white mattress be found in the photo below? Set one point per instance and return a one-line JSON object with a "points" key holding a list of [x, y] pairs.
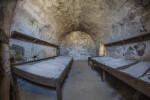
{"points": [[114, 62], [146, 77], [51, 68], [138, 69]]}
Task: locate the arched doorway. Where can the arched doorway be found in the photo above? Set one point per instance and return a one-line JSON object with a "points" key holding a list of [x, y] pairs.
{"points": [[78, 44], [102, 49]]}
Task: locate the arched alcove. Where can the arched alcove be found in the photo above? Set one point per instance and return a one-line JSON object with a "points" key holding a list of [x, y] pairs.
{"points": [[102, 49], [78, 44]]}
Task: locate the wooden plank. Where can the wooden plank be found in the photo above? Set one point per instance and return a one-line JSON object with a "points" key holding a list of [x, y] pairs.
{"points": [[58, 90], [114, 62], [140, 38], [102, 58], [103, 76], [47, 68], [134, 82], [121, 63], [45, 81], [12, 60], [64, 73], [136, 95], [146, 76], [138, 69], [27, 38], [35, 78], [61, 79]]}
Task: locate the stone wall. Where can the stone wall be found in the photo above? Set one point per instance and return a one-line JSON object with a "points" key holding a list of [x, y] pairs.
{"points": [[23, 51], [138, 51], [49, 20], [113, 20], [105, 21], [78, 44], [43, 20], [6, 12], [7, 86], [136, 21]]}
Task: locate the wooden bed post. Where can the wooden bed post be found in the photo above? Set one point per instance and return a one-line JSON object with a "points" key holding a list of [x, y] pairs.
{"points": [[58, 89], [103, 76], [88, 60], [12, 62], [136, 95], [92, 65]]}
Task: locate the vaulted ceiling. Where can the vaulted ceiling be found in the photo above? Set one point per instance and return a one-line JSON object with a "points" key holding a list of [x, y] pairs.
{"points": [[105, 20]]}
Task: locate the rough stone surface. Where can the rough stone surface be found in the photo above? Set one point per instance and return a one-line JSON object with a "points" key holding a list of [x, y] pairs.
{"points": [[46, 19], [19, 52], [78, 44], [6, 11], [104, 20], [113, 20], [138, 51], [51, 68], [24, 51]]}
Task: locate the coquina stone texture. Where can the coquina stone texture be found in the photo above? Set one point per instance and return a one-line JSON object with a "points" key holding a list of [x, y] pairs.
{"points": [[78, 44], [138, 51], [105, 21], [49, 20]]}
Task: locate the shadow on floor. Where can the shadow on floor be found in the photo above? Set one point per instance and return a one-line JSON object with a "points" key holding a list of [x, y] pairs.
{"points": [[83, 83], [126, 91]]}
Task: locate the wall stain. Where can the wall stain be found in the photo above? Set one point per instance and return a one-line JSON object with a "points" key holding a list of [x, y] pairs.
{"points": [[141, 49], [18, 52]]}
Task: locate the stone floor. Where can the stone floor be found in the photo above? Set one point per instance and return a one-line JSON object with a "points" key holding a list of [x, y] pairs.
{"points": [[81, 84]]}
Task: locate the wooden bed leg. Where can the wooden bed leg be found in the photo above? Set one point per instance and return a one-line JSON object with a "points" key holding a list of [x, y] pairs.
{"points": [[88, 61], [69, 67], [58, 90], [92, 65], [136, 95], [103, 76], [14, 77]]}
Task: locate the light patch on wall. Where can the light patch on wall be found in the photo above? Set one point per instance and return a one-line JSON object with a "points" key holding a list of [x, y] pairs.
{"points": [[78, 44]]}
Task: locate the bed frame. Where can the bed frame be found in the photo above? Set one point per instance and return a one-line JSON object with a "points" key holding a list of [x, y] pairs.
{"points": [[48, 82], [140, 85]]}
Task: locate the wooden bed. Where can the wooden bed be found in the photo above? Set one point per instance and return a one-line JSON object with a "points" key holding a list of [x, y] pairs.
{"points": [[136, 74], [50, 72]]}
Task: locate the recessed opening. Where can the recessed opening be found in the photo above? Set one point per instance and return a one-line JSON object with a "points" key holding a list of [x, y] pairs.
{"points": [[102, 49], [78, 44]]}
